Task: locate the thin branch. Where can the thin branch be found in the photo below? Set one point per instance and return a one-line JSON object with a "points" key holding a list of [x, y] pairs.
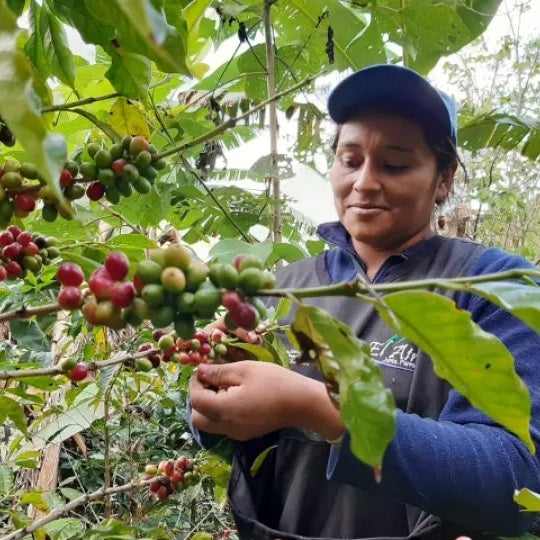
{"points": [[95, 365], [81, 102], [123, 219], [98, 495], [26, 312], [233, 121]]}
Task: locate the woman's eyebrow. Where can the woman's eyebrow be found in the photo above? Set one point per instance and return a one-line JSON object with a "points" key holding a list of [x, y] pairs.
{"points": [[396, 147]]}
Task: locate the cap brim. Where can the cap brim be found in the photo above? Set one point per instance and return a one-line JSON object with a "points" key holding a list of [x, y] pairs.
{"points": [[393, 87]]}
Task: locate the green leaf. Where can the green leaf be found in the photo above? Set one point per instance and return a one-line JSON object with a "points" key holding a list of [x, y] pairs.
{"points": [[6, 479], [47, 46], [9, 408], [523, 301], [474, 362], [29, 459], [28, 334], [254, 469], [63, 529], [275, 346], [226, 250], [127, 118], [19, 108], [260, 352], [367, 407], [283, 308], [528, 499], [129, 73], [288, 252], [17, 6]]}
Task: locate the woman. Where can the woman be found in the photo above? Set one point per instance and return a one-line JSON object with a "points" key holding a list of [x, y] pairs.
{"points": [[450, 470]]}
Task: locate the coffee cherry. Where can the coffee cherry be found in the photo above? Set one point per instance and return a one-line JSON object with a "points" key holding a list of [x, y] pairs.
{"points": [[162, 493], [155, 485], [250, 280], [231, 300], [118, 166], [68, 364], [70, 275], [6, 238], [122, 294], [217, 336], [173, 279], [14, 230], [78, 373], [12, 251], [66, 178], [151, 470], [137, 145], [143, 364], [49, 212], [250, 261], [149, 271], [138, 283], [166, 342], [177, 476], [237, 261], [166, 467], [3, 273], [70, 298], [178, 256], [89, 311], [24, 238], [14, 270], [182, 463], [117, 264], [245, 316], [25, 202], [101, 283], [95, 191]]}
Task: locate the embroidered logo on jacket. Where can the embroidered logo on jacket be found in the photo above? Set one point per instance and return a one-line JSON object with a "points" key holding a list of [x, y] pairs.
{"points": [[395, 352]]}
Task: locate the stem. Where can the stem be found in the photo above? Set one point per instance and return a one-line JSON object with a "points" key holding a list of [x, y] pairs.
{"points": [[233, 121], [24, 373], [68, 106], [24, 312], [80, 501], [275, 209], [124, 220], [352, 288]]}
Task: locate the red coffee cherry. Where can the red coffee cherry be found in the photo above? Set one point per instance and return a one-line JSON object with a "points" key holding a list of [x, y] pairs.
{"points": [[78, 373], [122, 294], [70, 275], [117, 264], [70, 298]]}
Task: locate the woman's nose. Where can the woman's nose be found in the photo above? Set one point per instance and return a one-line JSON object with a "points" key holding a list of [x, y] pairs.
{"points": [[366, 178]]}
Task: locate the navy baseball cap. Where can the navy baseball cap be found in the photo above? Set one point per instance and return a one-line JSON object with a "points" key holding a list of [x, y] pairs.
{"points": [[399, 89]]}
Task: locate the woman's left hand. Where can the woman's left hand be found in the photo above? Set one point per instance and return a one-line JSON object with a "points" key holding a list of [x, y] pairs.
{"points": [[248, 399]]}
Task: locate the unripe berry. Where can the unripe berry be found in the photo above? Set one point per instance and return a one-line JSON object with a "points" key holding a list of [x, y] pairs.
{"points": [[3, 273], [70, 275], [151, 469]]}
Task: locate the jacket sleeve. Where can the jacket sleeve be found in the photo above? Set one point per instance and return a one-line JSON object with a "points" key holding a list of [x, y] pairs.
{"points": [[463, 467]]}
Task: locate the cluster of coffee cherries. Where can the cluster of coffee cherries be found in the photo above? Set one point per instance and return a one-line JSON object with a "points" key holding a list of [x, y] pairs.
{"points": [[71, 277], [171, 476], [23, 251], [120, 169]]}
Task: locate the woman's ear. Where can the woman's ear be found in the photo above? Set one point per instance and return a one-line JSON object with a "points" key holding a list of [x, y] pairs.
{"points": [[445, 182]]}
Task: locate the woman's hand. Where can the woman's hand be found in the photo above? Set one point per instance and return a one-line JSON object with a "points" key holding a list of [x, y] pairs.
{"points": [[248, 399]]}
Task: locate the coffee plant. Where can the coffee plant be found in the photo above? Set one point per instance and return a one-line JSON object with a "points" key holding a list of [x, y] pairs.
{"points": [[110, 182]]}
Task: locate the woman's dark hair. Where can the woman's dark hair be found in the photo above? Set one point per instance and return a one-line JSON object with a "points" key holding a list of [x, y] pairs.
{"points": [[440, 144]]}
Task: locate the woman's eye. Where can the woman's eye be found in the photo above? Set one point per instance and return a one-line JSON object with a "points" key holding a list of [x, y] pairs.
{"points": [[395, 168], [348, 162]]}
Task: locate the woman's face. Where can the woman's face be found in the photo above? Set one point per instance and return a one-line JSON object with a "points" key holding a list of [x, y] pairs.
{"points": [[385, 181]]}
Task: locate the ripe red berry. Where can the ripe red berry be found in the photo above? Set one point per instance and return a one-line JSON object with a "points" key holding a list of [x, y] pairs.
{"points": [[182, 463], [3, 273], [162, 493], [95, 191], [66, 178], [70, 298], [14, 269], [145, 347], [70, 274], [201, 336], [177, 476], [138, 283], [12, 251], [30, 248], [245, 316], [158, 334], [195, 357], [118, 166], [184, 358], [117, 264], [78, 373], [101, 283], [14, 230], [25, 202], [217, 336], [205, 349], [155, 485], [24, 238], [231, 300], [6, 238], [237, 261], [122, 294], [166, 467]]}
